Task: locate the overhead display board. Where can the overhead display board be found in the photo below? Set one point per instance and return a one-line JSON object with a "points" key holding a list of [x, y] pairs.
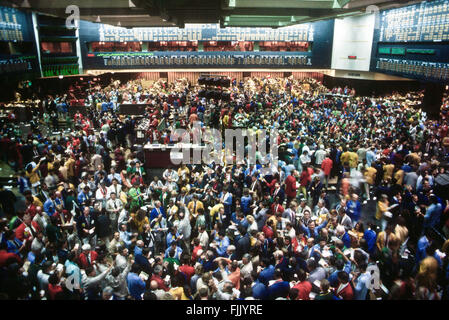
{"points": [[16, 29], [413, 41], [197, 59], [15, 25], [207, 32], [426, 21], [318, 34]]}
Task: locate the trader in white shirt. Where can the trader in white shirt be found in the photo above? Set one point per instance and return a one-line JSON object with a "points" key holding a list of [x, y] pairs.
{"points": [[114, 187], [114, 206], [114, 175]]}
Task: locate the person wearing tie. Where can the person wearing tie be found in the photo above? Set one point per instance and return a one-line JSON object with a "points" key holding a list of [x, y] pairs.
{"points": [[226, 200], [276, 207], [344, 220], [170, 175], [139, 170], [385, 237], [101, 194], [183, 197], [114, 206], [87, 257], [136, 196], [36, 154], [114, 176], [59, 201], [157, 210], [115, 187], [194, 206], [255, 187], [278, 192], [86, 227], [290, 213], [84, 196]]}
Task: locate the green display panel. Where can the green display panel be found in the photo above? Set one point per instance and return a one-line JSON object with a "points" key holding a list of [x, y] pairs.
{"points": [[60, 70], [398, 51], [421, 51], [384, 50]]}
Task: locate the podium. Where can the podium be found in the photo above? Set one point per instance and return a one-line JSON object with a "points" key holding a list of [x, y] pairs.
{"points": [[161, 156]]}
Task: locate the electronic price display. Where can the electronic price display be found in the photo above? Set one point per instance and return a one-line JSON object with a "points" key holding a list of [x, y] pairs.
{"points": [[15, 25], [434, 70], [427, 21], [411, 41], [302, 32], [134, 60]]}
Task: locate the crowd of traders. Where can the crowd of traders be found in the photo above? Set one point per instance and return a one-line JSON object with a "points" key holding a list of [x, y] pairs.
{"points": [[351, 212]]}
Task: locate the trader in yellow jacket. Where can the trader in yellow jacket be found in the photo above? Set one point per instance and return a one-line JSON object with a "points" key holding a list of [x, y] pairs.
{"points": [[370, 176], [194, 206], [353, 159], [349, 157]]}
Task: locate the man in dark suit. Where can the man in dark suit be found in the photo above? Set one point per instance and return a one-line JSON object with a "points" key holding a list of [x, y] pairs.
{"points": [[280, 288], [142, 260], [278, 192], [242, 245], [184, 197], [236, 190], [27, 152], [86, 225], [255, 187], [103, 227]]}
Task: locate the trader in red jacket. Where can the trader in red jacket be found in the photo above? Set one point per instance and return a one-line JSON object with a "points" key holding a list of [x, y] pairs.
{"points": [[326, 165], [87, 257], [27, 229], [344, 290], [157, 274], [290, 186]]}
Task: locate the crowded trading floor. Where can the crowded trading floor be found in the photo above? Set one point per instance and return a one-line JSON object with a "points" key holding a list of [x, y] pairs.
{"points": [[353, 211]]}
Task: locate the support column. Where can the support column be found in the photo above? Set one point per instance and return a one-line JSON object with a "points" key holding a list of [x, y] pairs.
{"points": [[78, 50], [37, 40]]}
